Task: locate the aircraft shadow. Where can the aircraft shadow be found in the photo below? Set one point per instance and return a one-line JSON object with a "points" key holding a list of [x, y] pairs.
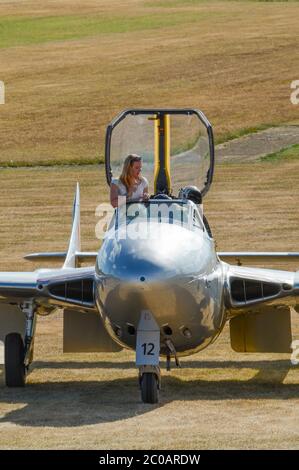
{"points": [[185, 364], [267, 370], [78, 403], [82, 365]]}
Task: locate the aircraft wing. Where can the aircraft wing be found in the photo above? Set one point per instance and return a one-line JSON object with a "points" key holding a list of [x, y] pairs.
{"points": [[258, 258], [247, 286], [50, 287], [80, 257], [258, 305]]}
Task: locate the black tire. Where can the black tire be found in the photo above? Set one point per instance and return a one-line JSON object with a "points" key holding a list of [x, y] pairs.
{"points": [[15, 374], [149, 388]]}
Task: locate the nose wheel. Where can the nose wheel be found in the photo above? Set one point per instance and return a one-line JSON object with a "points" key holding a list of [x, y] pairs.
{"points": [[147, 357], [149, 385], [150, 381]]}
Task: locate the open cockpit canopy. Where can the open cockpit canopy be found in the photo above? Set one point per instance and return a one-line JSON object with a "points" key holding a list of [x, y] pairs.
{"points": [[176, 146]]}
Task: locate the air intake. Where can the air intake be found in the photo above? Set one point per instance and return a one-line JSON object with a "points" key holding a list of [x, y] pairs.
{"points": [[245, 290], [81, 291]]}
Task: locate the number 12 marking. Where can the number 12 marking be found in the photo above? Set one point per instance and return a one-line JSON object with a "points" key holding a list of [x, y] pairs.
{"points": [[148, 349]]}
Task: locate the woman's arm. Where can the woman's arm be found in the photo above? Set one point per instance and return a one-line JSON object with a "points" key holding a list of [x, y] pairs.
{"points": [[145, 194], [145, 190], [113, 195]]}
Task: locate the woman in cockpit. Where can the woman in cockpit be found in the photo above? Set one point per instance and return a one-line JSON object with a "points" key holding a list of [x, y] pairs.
{"points": [[130, 183]]}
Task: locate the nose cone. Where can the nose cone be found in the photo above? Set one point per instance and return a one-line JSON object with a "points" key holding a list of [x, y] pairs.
{"points": [[158, 251]]}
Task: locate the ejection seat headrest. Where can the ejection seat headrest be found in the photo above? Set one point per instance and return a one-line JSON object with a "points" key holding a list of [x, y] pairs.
{"points": [[161, 196]]}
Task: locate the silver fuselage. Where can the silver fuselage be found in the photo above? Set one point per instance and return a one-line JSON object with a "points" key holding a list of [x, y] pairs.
{"points": [[169, 269]]}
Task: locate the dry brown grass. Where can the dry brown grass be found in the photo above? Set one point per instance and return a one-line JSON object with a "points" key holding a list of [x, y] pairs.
{"points": [[224, 58], [237, 67], [37, 205], [220, 399]]}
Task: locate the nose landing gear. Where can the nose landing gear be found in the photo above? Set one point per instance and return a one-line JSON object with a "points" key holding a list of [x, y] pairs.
{"points": [[150, 384], [147, 357]]}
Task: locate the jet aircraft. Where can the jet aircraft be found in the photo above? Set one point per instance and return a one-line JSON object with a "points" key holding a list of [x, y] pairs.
{"points": [[157, 284]]}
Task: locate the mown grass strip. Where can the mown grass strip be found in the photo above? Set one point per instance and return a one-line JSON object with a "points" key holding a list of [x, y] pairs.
{"points": [[23, 31], [52, 162], [183, 3]]}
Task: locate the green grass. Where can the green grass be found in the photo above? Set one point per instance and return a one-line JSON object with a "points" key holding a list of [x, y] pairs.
{"points": [[23, 31], [182, 3], [51, 162], [175, 3], [289, 153]]}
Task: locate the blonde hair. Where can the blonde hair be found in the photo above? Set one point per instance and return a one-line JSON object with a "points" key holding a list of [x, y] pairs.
{"points": [[126, 177]]}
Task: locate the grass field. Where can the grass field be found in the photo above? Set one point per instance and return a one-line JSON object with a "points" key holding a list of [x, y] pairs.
{"points": [[220, 399], [251, 206], [291, 152], [68, 70]]}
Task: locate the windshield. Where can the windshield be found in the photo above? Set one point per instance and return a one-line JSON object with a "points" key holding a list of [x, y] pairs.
{"points": [[181, 213]]}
